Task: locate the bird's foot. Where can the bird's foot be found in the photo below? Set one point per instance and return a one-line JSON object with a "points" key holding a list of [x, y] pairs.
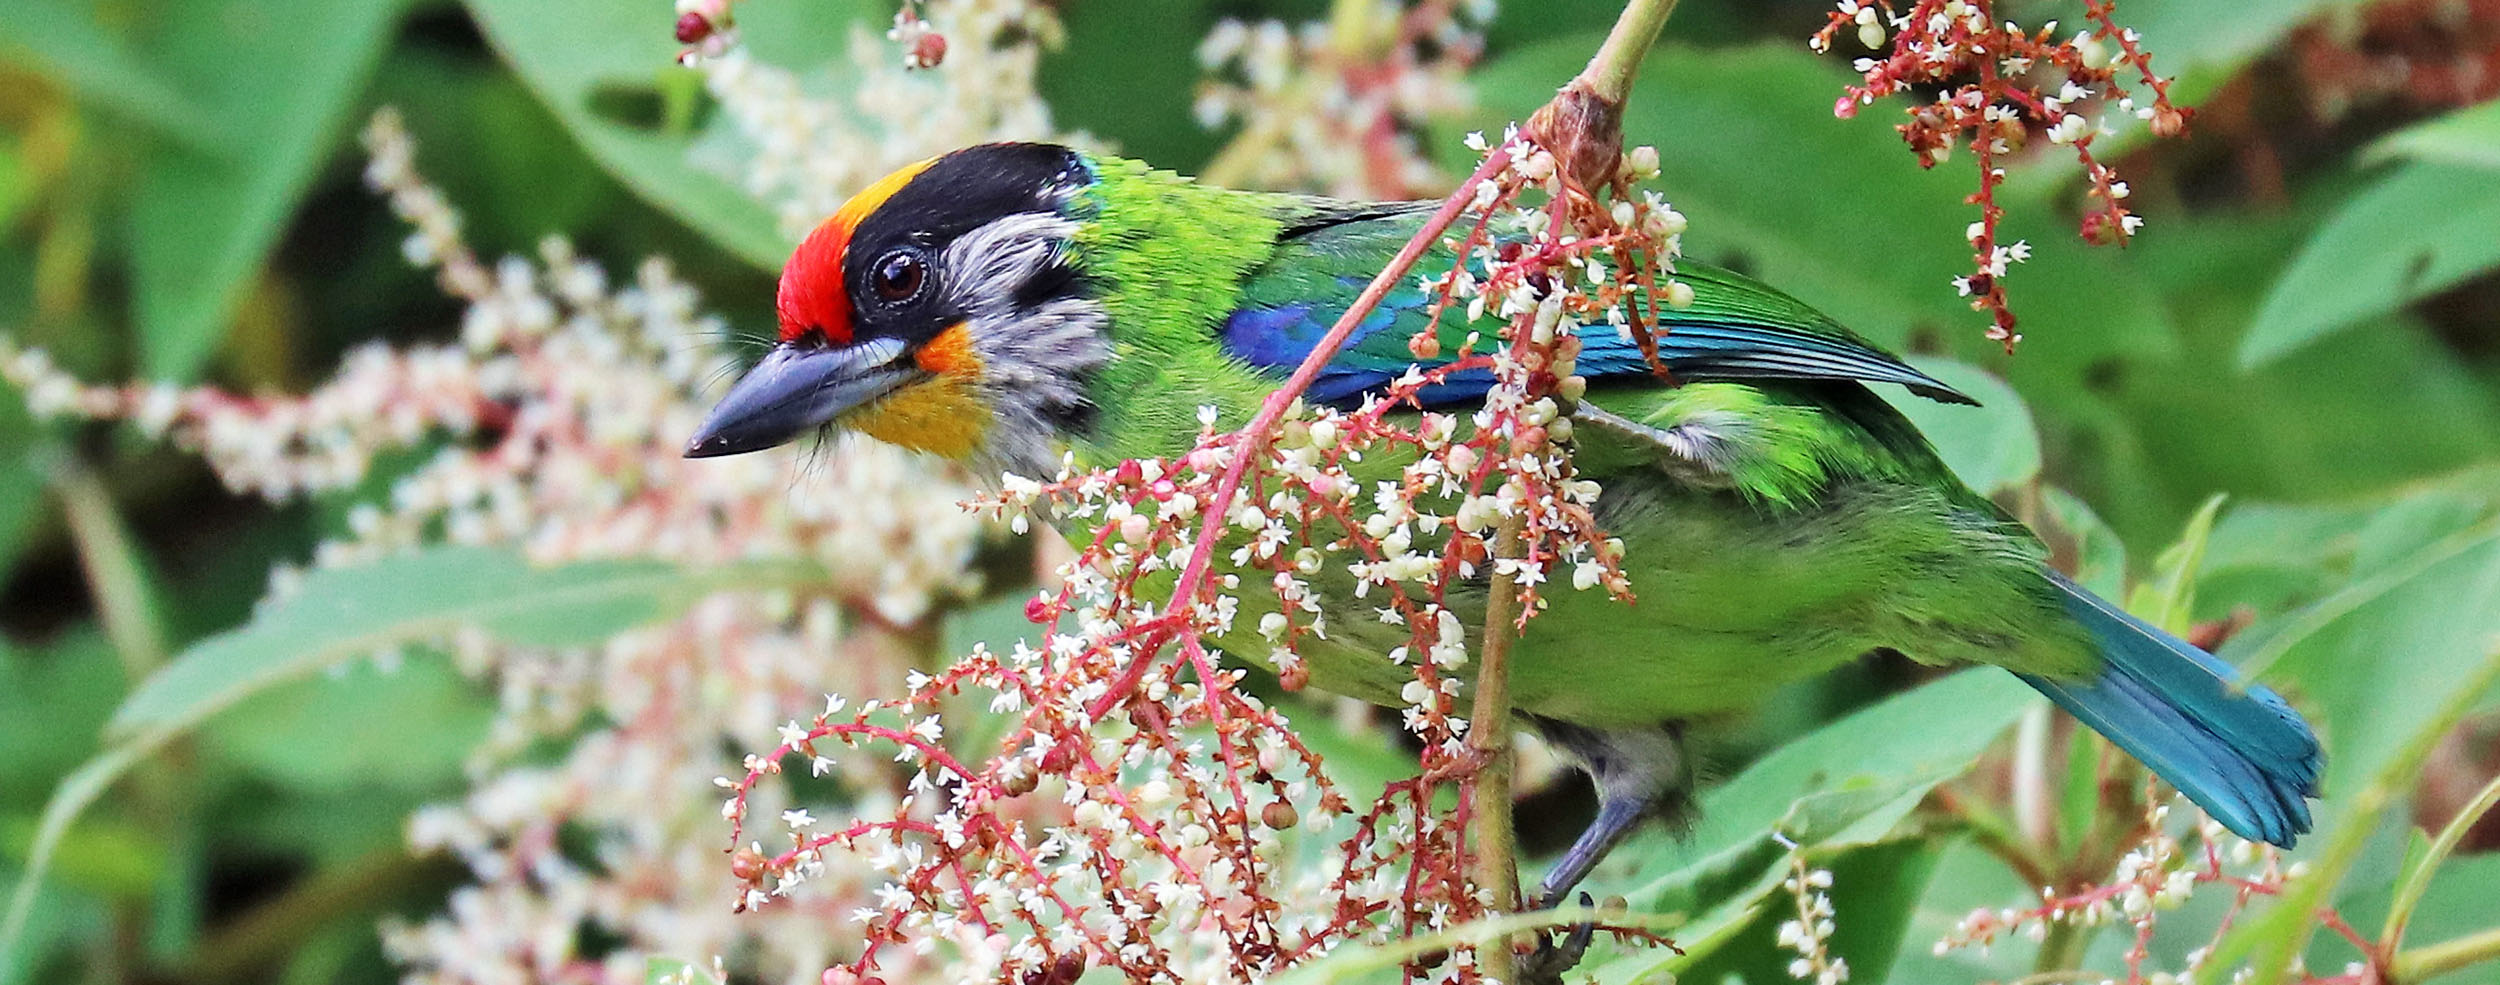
{"points": [[1556, 955]]}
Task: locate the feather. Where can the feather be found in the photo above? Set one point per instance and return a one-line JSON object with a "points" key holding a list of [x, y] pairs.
{"points": [[1735, 329], [2237, 750]]}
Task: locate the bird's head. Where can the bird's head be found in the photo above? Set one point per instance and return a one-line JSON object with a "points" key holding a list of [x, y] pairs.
{"points": [[940, 309]]}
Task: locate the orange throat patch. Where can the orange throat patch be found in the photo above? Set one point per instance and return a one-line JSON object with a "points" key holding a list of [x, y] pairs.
{"points": [[942, 415]]}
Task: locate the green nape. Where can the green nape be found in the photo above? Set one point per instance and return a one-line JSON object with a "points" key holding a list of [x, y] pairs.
{"points": [[1170, 255]]}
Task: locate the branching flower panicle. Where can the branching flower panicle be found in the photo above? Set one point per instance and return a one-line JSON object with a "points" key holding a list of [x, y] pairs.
{"points": [[2166, 868], [1998, 87]]}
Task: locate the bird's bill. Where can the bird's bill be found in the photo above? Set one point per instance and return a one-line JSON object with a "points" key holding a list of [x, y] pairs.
{"points": [[797, 389]]}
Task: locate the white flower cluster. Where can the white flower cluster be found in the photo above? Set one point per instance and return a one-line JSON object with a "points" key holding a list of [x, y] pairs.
{"points": [[1334, 106], [1810, 934], [807, 151]]}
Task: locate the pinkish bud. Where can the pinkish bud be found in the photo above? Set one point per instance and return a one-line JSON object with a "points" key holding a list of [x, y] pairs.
{"points": [[928, 51], [693, 27]]}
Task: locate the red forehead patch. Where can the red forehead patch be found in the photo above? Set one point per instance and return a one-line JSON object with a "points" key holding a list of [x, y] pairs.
{"points": [[811, 296]]}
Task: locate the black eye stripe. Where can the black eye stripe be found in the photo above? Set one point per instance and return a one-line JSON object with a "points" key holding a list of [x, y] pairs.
{"points": [[953, 196]]}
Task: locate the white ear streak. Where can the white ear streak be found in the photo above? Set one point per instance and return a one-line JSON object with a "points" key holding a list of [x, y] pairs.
{"points": [[987, 266], [1036, 354]]}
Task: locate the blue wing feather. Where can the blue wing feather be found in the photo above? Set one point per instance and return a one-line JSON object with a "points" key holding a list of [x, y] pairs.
{"points": [[1735, 329]]}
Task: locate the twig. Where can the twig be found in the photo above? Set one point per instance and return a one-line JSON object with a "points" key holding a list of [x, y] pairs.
{"points": [[2439, 959], [1610, 72], [1488, 733]]}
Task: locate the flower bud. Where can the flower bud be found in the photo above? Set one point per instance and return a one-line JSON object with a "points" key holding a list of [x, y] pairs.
{"points": [[1642, 162]]}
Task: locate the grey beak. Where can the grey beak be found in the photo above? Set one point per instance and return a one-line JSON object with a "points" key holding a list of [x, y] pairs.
{"points": [[797, 389]]}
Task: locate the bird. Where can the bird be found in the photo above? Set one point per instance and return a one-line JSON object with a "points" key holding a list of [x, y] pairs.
{"points": [[1008, 305]]}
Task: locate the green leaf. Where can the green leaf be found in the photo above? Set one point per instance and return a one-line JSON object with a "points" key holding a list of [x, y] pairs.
{"points": [[2420, 230], [2168, 598], [582, 57], [1992, 446], [52, 702], [1847, 784], [340, 614], [2386, 666], [63, 39], [63, 920], [409, 727], [351, 612], [2205, 43], [2468, 136], [274, 80]]}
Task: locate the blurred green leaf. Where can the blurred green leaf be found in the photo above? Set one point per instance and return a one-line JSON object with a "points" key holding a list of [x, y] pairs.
{"points": [[64, 919], [1966, 877], [1094, 83], [2468, 136], [1992, 446], [343, 613], [349, 612], [116, 857], [2203, 44], [274, 80], [2147, 437], [2388, 665], [2418, 231], [63, 39], [16, 186], [575, 53], [53, 701], [2168, 597], [407, 727]]}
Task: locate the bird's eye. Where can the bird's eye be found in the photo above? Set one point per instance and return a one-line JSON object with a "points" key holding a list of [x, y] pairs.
{"points": [[898, 276]]}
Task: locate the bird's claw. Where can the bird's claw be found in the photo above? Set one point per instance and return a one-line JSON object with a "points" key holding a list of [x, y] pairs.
{"points": [[1554, 956]]}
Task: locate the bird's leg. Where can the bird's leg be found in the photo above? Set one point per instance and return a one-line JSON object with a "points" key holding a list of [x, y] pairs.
{"points": [[1639, 773]]}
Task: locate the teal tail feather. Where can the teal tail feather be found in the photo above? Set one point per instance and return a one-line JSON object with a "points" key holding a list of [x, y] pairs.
{"points": [[2237, 750]]}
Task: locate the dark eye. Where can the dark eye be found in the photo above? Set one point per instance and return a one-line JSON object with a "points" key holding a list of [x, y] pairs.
{"points": [[898, 276]]}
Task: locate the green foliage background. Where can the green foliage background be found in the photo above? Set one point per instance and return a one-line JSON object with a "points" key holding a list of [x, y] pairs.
{"points": [[178, 200]]}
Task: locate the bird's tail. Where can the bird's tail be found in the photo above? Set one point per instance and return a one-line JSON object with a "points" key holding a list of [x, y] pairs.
{"points": [[2236, 750]]}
